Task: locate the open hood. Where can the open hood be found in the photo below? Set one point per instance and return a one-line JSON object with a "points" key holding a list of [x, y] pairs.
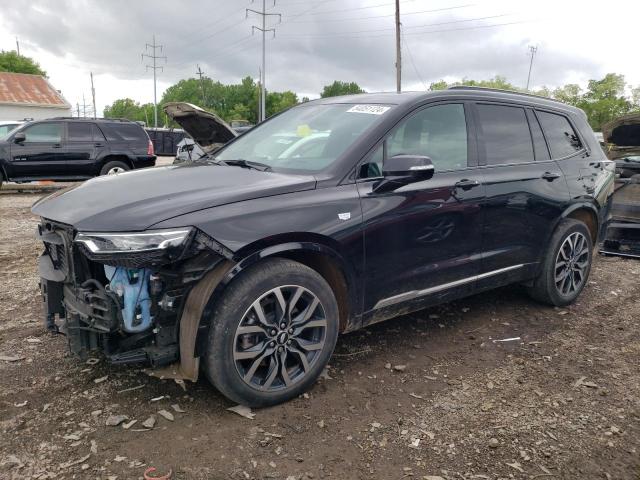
{"points": [[623, 131], [208, 130]]}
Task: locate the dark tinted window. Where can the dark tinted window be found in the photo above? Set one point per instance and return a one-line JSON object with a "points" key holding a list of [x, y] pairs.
{"points": [[560, 135], [124, 131], [44, 132], [80, 132], [539, 145], [98, 136], [506, 134]]}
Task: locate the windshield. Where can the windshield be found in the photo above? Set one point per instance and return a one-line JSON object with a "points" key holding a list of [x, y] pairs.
{"points": [[307, 137], [7, 128]]}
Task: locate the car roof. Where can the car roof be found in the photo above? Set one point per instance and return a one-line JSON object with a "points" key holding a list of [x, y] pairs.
{"points": [[407, 98]]}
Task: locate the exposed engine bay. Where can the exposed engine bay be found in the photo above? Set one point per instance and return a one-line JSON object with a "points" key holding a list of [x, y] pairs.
{"points": [[106, 296]]}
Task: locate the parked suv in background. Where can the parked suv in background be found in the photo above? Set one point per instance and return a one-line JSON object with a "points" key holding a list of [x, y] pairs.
{"points": [[66, 149], [333, 215]]}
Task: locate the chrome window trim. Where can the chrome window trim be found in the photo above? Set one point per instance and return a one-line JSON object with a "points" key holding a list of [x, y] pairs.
{"points": [[387, 302]]}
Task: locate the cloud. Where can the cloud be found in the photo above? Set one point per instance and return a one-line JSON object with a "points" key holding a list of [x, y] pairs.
{"points": [[315, 44]]}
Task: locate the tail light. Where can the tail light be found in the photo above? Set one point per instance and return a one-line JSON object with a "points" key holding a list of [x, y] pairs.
{"points": [[150, 148]]}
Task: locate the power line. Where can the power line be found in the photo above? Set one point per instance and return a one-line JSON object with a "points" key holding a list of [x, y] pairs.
{"points": [[350, 34], [366, 7], [351, 19], [153, 47], [437, 24], [532, 52], [415, 69], [263, 14]]}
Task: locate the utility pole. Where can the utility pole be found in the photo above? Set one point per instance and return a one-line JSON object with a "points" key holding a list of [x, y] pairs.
{"points": [[84, 107], [78, 108], [93, 96], [200, 73], [532, 52], [263, 13], [152, 48], [17, 46], [398, 50]]}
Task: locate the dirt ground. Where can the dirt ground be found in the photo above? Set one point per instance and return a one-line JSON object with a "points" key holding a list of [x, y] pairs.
{"points": [[439, 394]]}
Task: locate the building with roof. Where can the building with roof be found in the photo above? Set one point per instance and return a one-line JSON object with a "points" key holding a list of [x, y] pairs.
{"points": [[26, 96]]}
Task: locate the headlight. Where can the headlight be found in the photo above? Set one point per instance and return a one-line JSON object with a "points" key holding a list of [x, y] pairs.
{"points": [[135, 249]]}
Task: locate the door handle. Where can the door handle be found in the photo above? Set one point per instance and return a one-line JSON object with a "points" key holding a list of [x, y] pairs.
{"points": [[57, 145], [98, 145], [550, 176], [466, 184]]}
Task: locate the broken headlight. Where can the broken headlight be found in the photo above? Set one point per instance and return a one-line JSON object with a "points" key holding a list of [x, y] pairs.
{"points": [[136, 249]]}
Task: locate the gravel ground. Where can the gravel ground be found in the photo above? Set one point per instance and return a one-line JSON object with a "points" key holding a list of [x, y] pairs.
{"points": [[433, 395]]}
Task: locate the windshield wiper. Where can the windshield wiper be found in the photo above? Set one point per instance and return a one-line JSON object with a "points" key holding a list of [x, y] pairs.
{"points": [[263, 167]]}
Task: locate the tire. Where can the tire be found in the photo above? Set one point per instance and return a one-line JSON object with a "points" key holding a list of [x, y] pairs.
{"points": [[559, 281], [244, 359], [114, 167]]}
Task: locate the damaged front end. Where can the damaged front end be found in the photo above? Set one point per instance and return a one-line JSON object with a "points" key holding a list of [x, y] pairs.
{"points": [[123, 293]]}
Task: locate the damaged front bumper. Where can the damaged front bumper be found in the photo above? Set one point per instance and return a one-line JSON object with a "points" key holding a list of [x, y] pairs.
{"points": [[127, 304]]}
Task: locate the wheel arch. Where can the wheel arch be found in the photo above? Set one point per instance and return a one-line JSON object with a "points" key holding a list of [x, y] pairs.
{"points": [[587, 214], [115, 157]]}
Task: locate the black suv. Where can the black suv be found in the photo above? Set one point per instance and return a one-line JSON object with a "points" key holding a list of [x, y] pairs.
{"points": [[67, 149], [333, 215]]}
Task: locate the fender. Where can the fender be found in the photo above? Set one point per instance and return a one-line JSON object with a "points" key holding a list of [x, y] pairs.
{"points": [[200, 330]]}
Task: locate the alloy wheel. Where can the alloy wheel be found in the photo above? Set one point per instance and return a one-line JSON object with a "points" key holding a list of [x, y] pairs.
{"points": [[572, 263], [280, 338], [114, 170]]}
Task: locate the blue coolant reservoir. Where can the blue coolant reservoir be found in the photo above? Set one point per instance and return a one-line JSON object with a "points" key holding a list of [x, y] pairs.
{"points": [[133, 286]]}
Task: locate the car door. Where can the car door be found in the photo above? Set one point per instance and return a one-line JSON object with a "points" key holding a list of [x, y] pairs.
{"points": [[526, 191], [85, 143], [422, 241], [42, 154]]}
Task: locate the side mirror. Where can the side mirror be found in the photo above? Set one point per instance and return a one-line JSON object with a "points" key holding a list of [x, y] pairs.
{"points": [[401, 170], [19, 137]]}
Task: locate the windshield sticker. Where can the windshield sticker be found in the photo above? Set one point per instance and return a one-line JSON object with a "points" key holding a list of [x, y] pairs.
{"points": [[303, 130], [370, 109]]}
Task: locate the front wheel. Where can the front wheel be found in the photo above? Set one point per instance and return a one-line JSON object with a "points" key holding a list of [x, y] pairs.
{"points": [[565, 269], [273, 331]]}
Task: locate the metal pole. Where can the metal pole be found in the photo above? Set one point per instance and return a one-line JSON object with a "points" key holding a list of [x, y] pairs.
{"points": [[93, 95], [263, 92], [533, 51], [398, 50], [17, 46], [155, 102]]}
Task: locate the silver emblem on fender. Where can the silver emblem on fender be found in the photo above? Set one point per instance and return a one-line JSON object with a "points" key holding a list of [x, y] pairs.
{"points": [[344, 216]]}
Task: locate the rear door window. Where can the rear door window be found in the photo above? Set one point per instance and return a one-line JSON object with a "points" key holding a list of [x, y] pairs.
{"points": [[80, 131], [539, 144], [506, 135], [561, 137]]}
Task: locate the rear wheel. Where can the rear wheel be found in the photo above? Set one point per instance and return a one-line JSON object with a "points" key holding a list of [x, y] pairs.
{"points": [[566, 267], [113, 167], [273, 332]]}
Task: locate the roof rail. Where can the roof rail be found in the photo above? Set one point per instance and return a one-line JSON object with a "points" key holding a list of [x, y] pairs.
{"points": [[501, 90], [91, 119]]}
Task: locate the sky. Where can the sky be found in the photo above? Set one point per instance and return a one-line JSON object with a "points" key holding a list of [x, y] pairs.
{"points": [[317, 42]]}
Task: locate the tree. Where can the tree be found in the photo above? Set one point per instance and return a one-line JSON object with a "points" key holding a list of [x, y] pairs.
{"points": [[12, 62], [341, 88], [605, 100], [278, 101], [495, 82], [570, 94], [130, 109]]}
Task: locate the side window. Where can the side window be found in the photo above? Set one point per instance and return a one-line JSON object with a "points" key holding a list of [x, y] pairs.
{"points": [[124, 131], [80, 131], [44, 133], [438, 132], [539, 145], [561, 137], [506, 135]]}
